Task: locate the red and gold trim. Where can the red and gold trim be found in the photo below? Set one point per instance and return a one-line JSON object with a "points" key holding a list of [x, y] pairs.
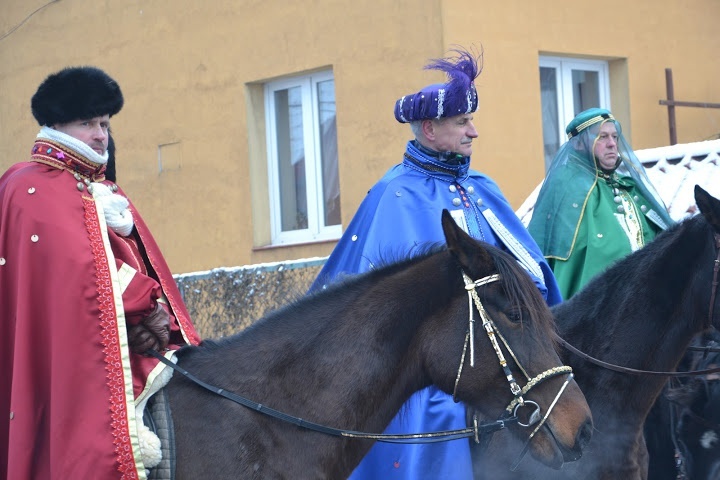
{"points": [[117, 364], [59, 156]]}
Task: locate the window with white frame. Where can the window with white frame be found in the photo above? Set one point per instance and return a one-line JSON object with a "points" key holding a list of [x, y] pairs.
{"points": [[303, 159], [567, 87]]}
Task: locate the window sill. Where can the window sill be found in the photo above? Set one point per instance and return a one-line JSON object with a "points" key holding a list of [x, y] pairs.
{"points": [[289, 245]]}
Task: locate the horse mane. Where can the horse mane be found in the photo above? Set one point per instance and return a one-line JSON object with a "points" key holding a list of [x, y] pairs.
{"points": [[521, 290], [516, 283], [301, 313]]}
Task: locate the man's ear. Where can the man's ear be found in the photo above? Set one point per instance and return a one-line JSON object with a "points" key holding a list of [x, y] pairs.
{"points": [[428, 129]]}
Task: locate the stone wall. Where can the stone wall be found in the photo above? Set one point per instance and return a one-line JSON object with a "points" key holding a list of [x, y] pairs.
{"points": [[223, 301]]}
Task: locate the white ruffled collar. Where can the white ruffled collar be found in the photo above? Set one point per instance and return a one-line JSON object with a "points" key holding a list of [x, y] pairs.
{"points": [[47, 133]]}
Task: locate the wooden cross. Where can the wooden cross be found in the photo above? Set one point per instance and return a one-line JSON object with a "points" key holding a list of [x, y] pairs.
{"points": [[672, 103]]}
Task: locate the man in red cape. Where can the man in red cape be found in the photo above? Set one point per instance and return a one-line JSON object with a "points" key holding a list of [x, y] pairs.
{"points": [[84, 292]]}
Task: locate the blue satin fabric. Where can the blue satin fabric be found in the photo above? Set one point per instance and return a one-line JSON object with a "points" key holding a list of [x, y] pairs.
{"points": [[398, 217]]}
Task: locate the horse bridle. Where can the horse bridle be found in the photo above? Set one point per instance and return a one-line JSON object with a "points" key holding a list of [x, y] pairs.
{"points": [[708, 324], [492, 332]]}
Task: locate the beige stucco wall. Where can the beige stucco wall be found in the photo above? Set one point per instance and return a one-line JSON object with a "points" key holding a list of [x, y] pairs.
{"points": [[646, 35], [191, 69]]}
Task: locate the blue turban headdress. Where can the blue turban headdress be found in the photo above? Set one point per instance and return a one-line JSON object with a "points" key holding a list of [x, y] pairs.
{"points": [[456, 97]]}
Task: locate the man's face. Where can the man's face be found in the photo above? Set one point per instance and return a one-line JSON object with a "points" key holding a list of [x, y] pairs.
{"points": [[93, 132], [606, 146], [453, 134]]}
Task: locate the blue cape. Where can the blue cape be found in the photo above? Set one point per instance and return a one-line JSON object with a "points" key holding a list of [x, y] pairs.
{"points": [[400, 216]]}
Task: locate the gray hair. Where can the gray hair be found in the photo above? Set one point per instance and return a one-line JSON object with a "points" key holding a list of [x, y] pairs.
{"points": [[416, 127]]}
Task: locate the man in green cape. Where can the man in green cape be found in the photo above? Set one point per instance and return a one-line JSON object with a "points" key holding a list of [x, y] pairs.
{"points": [[596, 205]]}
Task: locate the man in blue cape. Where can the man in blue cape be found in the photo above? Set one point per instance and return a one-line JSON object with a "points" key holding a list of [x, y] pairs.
{"points": [[400, 216]]}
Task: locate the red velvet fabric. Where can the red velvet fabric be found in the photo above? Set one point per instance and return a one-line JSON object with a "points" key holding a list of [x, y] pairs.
{"points": [[66, 384]]}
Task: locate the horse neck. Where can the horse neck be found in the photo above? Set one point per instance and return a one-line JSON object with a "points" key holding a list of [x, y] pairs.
{"points": [[653, 299], [361, 345], [641, 313]]}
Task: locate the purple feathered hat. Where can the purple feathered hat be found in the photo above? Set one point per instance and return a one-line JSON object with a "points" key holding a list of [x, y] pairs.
{"points": [[456, 97], [76, 93]]}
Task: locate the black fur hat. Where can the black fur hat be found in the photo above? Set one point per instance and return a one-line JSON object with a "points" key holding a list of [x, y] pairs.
{"points": [[76, 93]]}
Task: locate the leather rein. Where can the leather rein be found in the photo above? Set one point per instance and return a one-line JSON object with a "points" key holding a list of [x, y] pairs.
{"points": [[337, 432], [476, 431], [708, 324]]}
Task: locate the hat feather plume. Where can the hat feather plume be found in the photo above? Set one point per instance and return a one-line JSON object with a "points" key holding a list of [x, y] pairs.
{"points": [[461, 69]]}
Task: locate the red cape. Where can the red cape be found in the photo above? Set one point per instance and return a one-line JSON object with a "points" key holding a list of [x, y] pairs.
{"points": [[66, 388]]}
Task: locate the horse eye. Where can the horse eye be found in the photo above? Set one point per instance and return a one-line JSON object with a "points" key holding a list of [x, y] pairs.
{"points": [[515, 315]]}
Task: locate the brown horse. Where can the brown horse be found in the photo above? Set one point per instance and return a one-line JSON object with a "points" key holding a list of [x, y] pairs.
{"points": [[351, 355], [641, 313]]}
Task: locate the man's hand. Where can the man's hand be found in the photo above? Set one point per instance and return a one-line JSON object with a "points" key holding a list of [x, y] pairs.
{"points": [[152, 332]]}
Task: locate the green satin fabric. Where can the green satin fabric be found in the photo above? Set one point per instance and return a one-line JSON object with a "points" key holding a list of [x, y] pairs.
{"points": [[601, 239]]}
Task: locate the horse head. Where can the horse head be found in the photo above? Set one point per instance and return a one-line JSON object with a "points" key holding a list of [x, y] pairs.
{"points": [[511, 337]]}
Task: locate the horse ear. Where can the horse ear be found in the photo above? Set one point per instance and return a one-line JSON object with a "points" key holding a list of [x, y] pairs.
{"points": [[709, 206], [468, 251]]}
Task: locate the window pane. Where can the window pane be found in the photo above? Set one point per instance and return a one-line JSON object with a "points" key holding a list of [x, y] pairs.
{"points": [[549, 105], [291, 158], [329, 152], [586, 90]]}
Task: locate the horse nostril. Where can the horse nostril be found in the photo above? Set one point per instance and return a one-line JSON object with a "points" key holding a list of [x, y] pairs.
{"points": [[584, 435]]}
